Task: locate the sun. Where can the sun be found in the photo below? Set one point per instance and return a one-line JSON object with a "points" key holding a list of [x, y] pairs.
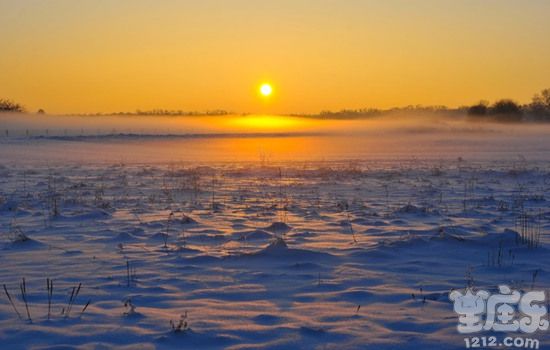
{"points": [[266, 90]]}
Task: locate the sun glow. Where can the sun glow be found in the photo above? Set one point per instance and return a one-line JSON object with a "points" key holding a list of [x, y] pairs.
{"points": [[267, 122], [266, 90]]}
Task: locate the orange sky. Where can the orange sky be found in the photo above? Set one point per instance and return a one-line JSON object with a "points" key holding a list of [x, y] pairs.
{"points": [[99, 56]]}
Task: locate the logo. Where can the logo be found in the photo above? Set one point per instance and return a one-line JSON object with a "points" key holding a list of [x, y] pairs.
{"points": [[507, 311]]}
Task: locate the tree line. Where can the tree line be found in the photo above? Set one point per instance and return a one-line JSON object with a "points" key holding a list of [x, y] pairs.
{"points": [[10, 106], [509, 110], [505, 110]]}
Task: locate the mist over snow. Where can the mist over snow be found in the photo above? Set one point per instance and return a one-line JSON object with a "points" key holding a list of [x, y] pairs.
{"points": [[26, 137]]}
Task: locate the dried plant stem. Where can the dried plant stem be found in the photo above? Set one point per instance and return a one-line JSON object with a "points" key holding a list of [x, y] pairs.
{"points": [[23, 288], [11, 302]]}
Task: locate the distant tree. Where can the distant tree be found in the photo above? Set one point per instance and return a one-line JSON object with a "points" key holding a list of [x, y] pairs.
{"points": [[40, 111], [543, 97], [10, 106], [478, 109], [506, 110], [540, 105]]}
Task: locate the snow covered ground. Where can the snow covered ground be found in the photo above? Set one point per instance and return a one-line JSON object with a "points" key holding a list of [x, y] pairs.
{"points": [[330, 254]]}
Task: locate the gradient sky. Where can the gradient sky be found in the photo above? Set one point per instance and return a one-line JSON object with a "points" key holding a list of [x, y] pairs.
{"points": [[120, 55]]}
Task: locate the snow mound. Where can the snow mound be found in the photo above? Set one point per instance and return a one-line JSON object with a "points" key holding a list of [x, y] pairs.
{"points": [[9, 206], [278, 227], [23, 242], [160, 236], [413, 209], [187, 220], [278, 245], [254, 235], [278, 249], [122, 237], [92, 215]]}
